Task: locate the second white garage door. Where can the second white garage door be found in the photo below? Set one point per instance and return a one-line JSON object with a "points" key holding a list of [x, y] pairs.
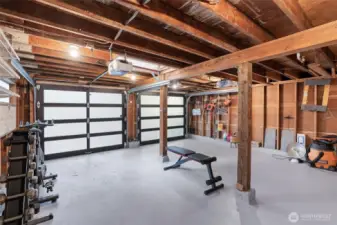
{"points": [[149, 118]]}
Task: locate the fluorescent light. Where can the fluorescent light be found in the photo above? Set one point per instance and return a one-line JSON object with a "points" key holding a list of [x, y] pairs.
{"points": [[73, 51]]}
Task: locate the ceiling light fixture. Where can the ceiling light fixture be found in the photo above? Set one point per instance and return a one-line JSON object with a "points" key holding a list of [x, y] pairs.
{"points": [[133, 77], [73, 51]]}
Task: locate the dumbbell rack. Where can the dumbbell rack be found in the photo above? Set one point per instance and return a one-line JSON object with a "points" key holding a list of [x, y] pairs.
{"points": [[40, 169], [18, 209]]}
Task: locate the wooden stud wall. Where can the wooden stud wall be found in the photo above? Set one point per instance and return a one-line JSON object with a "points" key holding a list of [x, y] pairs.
{"points": [[279, 107], [258, 113]]}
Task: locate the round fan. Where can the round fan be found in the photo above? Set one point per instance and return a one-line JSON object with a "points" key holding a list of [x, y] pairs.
{"points": [[296, 150]]}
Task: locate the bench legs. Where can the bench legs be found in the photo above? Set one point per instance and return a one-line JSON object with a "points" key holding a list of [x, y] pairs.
{"points": [[212, 181], [178, 163]]}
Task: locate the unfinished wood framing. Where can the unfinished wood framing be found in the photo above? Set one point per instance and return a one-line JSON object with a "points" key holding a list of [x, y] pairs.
{"points": [[296, 106], [163, 121], [245, 124], [315, 113], [278, 118], [196, 46]]}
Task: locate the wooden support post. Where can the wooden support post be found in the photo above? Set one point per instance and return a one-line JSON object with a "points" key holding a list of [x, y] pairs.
{"points": [[278, 137], [131, 117], [245, 125], [163, 120], [204, 116], [264, 113], [296, 112], [229, 117], [31, 105], [315, 112], [218, 118]]}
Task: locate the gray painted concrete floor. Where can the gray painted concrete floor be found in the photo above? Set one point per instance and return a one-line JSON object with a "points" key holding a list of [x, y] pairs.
{"points": [[129, 187]]}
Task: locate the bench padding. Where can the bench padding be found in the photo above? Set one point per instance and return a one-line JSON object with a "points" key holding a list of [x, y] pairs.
{"points": [[203, 159], [180, 151]]}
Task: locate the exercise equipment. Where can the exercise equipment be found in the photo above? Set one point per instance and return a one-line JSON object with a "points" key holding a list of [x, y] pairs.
{"points": [[40, 169], [188, 155], [19, 208]]}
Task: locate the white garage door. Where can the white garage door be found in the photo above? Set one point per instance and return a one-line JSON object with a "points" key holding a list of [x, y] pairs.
{"points": [[86, 121], [149, 118]]}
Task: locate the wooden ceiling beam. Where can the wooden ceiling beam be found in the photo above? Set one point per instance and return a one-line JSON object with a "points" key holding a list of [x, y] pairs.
{"points": [[60, 66], [44, 70], [292, 74], [38, 51], [51, 44], [321, 36], [81, 30], [97, 18], [274, 76], [157, 10], [69, 79], [297, 16], [78, 31], [232, 16], [43, 51], [317, 69], [60, 61], [158, 16]]}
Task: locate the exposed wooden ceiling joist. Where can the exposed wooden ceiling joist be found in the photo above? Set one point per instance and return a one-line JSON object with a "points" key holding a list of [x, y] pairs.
{"points": [[232, 16], [38, 51], [158, 11], [73, 79], [79, 31], [84, 14], [32, 40], [317, 69], [314, 38], [298, 17], [97, 18]]}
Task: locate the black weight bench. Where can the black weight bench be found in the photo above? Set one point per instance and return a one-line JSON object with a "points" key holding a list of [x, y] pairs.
{"points": [[188, 155]]}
